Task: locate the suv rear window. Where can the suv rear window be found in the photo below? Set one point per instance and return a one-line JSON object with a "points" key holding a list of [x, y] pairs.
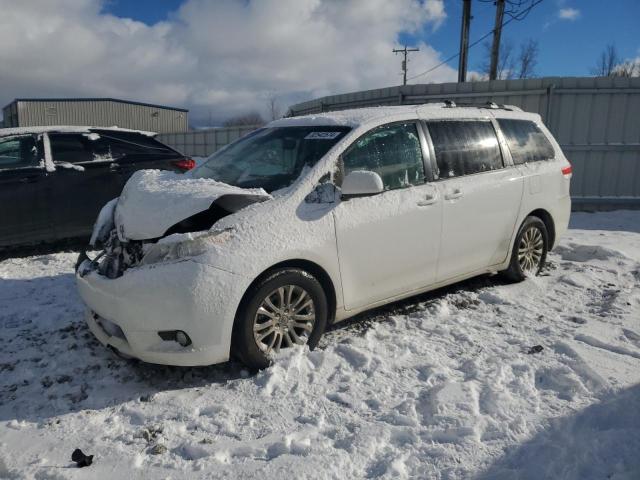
{"points": [[526, 141], [465, 147], [119, 144], [102, 145]]}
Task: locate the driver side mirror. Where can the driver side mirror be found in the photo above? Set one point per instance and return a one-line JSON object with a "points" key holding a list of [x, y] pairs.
{"points": [[360, 183]]}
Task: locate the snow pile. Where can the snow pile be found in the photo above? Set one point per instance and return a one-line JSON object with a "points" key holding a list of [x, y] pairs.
{"points": [[440, 386]]}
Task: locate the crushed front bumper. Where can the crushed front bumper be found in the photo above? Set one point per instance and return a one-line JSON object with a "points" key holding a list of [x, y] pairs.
{"points": [[184, 295]]}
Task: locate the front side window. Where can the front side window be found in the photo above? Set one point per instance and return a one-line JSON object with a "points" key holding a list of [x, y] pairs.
{"points": [[526, 141], [464, 147], [18, 152], [391, 151], [270, 158]]}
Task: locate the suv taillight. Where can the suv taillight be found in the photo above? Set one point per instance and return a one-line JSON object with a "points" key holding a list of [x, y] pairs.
{"points": [[185, 164], [566, 171]]}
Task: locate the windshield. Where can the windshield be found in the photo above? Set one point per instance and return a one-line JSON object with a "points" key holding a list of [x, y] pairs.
{"points": [[270, 158]]}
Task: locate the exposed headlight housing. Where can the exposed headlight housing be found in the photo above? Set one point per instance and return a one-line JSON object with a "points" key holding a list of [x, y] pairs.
{"points": [[166, 250]]}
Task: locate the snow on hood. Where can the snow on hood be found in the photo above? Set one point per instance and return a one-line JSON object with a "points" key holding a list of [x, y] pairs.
{"points": [[153, 201]]}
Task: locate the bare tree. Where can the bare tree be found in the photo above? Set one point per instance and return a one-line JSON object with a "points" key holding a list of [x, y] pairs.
{"points": [[527, 59], [505, 60], [250, 118], [273, 107], [630, 68], [607, 62]]}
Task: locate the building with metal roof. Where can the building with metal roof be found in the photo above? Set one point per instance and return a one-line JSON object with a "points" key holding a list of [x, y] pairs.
{"points": [[99, 112]]}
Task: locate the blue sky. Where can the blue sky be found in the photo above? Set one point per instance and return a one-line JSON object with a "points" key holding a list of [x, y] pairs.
{"points": [[567, 47], [225, 58]]}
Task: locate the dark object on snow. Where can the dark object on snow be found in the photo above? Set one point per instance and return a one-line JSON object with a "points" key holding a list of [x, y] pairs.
{"points": [[81, 459], [535, 349]]}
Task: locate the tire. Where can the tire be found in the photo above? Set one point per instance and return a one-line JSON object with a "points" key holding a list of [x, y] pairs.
{"points": [[526, 259], [286, 316]]}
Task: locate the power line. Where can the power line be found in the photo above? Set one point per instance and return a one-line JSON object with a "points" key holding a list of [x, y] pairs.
{"points": [[519, 16]]}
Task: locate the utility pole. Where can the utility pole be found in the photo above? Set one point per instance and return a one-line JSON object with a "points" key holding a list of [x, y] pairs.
{"points": [[404, 51], [495, 47], [464, 41]]}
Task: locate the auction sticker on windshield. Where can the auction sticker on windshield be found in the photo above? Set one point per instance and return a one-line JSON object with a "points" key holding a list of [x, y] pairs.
{"points": [[322, 135]]}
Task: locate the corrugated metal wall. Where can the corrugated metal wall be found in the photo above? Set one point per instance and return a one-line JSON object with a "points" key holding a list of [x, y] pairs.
{"points": [[202, 143], [595, 120], [103, 113]]}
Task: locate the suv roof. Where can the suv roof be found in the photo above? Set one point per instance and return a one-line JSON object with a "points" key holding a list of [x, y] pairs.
{"points": [[357, 117], [67, 129]]}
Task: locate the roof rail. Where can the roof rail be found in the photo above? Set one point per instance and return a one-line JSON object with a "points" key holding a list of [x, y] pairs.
{"points": [[491, 105]]}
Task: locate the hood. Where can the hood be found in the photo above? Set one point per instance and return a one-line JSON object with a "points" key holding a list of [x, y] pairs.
{"points": [[154, 201]]}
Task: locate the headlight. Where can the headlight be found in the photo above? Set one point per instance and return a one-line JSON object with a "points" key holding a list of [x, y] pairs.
{"points": [[166, 250]]}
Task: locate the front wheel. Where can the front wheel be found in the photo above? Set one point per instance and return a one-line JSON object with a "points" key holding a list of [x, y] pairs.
{"points": [[287, 308], [529, 250]]}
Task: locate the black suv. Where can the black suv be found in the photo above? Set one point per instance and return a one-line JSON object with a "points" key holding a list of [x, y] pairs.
{"points": [[55, 180]]}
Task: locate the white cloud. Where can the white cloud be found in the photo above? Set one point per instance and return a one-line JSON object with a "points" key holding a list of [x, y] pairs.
{"points": [[568, 13], [216, 58]]}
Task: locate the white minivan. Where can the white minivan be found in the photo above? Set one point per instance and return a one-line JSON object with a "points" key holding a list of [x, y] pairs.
{"points": [[313, 219]]}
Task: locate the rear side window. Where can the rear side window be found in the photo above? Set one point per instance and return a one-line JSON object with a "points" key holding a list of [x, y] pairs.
{"points": [[392, 151], [464, 147], [526, 141], [115, 145], [18, 152], [99, 146], [72, 148]]}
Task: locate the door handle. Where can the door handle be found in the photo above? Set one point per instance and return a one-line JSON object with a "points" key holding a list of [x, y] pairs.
{"points": [[452, 195], [428, 200], [114, 167]]}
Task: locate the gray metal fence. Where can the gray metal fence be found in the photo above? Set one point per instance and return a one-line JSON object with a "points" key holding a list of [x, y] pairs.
{"points": [[202, 143], [595, 120]]}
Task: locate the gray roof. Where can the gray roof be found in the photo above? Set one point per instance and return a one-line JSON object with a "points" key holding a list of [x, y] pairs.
{"points": [[97, 100]]}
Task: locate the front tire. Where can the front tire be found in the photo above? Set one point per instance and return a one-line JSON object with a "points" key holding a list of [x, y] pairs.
{"points": [[529, 252], [286, 308]]}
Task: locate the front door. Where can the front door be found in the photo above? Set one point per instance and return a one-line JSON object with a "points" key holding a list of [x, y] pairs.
{"points": [[25, 211], [481, 196], [388, 243]]}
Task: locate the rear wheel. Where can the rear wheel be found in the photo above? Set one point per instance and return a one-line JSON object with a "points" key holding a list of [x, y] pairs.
{"points": [[529, 250], [287, 308]]}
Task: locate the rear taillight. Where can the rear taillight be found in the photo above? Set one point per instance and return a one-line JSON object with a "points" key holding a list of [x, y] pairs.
{"points": [[566, 171], [185, 164]]}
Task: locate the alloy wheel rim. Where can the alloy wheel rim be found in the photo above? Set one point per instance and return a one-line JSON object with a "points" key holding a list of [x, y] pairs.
{"points": [[284, 318], [530, 250]]}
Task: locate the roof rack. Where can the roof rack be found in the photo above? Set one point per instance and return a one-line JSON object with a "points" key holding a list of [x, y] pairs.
{"points": [[491, 105]]}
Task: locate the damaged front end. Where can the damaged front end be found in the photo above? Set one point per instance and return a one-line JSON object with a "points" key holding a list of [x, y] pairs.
{"points": [[145, 226], [114, 259], [119, 256]]}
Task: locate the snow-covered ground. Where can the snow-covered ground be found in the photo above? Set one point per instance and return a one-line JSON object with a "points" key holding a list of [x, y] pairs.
{"points": [[440, 386]]}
